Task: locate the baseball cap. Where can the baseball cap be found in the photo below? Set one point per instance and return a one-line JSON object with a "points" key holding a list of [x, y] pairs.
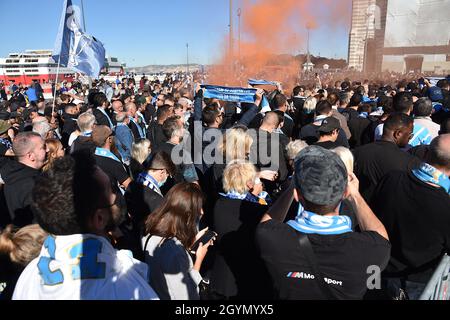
{"points": [[100, 134], [320, 176], [4, 126], [329, 124]]}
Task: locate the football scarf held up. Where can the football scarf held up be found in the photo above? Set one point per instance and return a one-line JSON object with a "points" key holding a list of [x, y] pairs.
{"points": [[229, 94]]}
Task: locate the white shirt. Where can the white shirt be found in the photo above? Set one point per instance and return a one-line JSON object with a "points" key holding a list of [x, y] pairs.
{"points": [[83, 267]]}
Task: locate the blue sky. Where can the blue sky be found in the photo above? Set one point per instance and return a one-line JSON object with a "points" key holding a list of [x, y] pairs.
{"points": [[143, 32]]}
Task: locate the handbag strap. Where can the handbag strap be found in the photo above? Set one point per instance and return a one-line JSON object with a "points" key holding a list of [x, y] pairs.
{"points": [[305, 244]]}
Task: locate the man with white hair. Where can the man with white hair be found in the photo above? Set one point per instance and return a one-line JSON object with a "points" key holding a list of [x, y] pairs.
{"points": [[86, 123], [43, 128], [136, 129]]}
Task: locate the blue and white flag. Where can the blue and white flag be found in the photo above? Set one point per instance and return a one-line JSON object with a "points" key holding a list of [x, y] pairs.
{"points": [[229, 94], [255, 82], [74, 48]]}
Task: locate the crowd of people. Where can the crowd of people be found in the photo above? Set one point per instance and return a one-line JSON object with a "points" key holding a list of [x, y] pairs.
{"points": [[147, 189]]}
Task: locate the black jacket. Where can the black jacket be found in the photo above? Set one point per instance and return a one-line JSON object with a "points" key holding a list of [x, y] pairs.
{"points": [[141, 201], [238, 271], [70, 125], [19, 182], [156, 135], [101, 119]]}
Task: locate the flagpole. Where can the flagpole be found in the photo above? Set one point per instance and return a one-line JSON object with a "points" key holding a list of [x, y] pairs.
{"points": [[84, 26], [56, 83]]}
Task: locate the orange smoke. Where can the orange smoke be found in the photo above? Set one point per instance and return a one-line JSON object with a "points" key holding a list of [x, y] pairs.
{"points": [[270, 28]]}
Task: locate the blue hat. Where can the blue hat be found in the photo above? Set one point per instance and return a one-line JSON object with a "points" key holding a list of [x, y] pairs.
{"points": [[435, 94]]}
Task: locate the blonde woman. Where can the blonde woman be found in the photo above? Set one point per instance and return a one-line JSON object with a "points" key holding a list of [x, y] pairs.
{"points": [[347, 157], [308, 111], [20, 246], [140, 151], [293, 149], [237, 271], [55, 150]]}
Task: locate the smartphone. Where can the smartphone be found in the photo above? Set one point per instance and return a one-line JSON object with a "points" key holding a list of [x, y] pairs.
{"points": [[203, 239]]}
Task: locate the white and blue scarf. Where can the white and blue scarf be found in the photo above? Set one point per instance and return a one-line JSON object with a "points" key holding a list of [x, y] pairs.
{"points": [[148, 181], [430, 174], [106, 154], [86, 134], [262, 199], [109, 119], [310, 223], [6, 142]]}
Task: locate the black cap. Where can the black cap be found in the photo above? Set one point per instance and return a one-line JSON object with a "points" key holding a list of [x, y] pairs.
{"points": [[329, 125]]}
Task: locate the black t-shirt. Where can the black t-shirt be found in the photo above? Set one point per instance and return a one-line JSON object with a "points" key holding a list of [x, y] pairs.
{"points": [[357, 127], [114, 169], [373, 161], [328, 144], [310, 134], [417, 218], [342, 259]]}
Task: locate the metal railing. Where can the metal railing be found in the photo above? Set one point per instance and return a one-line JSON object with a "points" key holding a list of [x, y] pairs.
{"points": [[438, 286]]}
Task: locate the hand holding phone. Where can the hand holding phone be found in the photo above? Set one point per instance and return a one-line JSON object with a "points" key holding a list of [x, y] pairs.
{"points": [[204, 239]]}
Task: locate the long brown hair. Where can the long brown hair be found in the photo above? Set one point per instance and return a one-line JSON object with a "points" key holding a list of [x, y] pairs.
{"points": [[178, 214], [53, 146]]}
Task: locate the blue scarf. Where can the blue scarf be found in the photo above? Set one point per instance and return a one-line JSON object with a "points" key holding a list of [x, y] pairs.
{"points": [[86, 134], [430, 174], [255, 82], [148, 181], [263, 198], [229, 94], [106, 154], [106, 115], [363, 115], [308, 222]]}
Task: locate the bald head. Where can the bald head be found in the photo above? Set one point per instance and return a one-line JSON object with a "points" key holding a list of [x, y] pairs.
{"points": [[439, 155], [271, 120], [29, 148]]}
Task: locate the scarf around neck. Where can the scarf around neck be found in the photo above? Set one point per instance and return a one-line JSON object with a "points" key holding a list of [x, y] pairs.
{"points": [[429, 174], [311, 223]]}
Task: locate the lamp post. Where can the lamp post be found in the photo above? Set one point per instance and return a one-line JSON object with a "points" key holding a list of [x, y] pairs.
{"points": [[239, 12], [231, 33]]}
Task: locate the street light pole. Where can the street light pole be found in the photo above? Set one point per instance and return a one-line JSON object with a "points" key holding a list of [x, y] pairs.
{"points": [[231, 31], [239, 12]]}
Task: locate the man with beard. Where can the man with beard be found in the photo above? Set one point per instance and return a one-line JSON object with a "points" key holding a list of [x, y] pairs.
{"points": [[75, 204], [108, 159]]}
